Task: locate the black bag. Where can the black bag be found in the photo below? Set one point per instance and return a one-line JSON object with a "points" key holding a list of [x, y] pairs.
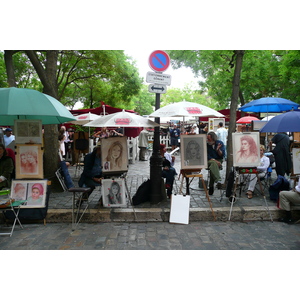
{"points": [[230, 183], [280, 184], [81, 143], [142, 194]]}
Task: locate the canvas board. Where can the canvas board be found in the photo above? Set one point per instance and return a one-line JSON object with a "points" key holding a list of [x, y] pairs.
{"points": [[246, 149], [114, 155], [296, 160], [193, 151], [180, 208], [113, 192], [28, 131], [33, 191]]}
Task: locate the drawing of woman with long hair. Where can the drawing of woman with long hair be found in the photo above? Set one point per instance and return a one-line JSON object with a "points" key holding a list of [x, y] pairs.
{"points": [[114, 156], [248, 152]]}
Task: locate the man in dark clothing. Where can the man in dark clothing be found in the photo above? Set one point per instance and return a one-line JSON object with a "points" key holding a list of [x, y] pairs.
{"points": [[215, 154], [174, 134], [92, 172], [282, 154]]}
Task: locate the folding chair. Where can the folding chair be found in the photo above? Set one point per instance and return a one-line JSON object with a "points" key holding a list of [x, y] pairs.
{"points": [[14, 206], [80, 195]]}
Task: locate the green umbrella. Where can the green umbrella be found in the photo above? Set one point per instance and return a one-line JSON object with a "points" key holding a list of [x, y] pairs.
{"points": [[17, 103]]}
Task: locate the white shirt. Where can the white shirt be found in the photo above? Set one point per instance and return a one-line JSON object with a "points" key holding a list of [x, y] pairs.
{"points": [[222, 135], [8, 139]]}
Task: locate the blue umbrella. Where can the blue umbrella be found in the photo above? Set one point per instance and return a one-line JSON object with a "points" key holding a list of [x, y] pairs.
{"points": [[287, 122], [269, 104]]}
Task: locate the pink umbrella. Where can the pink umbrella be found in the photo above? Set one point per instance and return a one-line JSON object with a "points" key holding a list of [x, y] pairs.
{"points": [[246, 120]]}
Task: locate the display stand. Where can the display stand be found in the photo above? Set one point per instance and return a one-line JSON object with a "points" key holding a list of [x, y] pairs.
{"points": [[242, 171], [193, 173], [14, 207]]}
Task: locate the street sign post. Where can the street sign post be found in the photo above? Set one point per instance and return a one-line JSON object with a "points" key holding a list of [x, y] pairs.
{"points": [[157, 88], [159, 61]]}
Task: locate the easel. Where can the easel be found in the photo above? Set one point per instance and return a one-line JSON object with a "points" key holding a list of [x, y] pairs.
{"points": [[192, 173], [242, 171]]}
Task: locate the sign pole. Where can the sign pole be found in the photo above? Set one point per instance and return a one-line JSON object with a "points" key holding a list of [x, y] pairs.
{"points": [[156, 161], [159, 61]]}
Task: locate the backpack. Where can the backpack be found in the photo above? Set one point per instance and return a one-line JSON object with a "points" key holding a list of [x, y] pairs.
{"points": [[143, 193], [280, 184], [81, 143]]}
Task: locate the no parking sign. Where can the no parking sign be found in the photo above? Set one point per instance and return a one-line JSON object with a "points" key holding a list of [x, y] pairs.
{"points": [[159, 61]]}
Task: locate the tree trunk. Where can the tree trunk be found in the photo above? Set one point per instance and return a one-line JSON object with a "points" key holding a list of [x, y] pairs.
{"points": [[233, 107], [48, 78], [10, 71]]}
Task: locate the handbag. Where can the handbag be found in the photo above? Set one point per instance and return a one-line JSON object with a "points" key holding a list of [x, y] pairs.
{"points": [[81, 143]]}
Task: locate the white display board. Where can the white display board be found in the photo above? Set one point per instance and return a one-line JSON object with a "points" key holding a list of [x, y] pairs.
{"points": [[180, 208]]}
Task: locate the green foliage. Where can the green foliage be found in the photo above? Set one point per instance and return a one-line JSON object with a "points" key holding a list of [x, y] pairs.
{"points": [[144, 102], [265, 73], [85, 76]]}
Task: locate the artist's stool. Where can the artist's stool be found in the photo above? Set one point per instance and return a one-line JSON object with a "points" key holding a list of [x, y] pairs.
{"points": [[80, 195]]}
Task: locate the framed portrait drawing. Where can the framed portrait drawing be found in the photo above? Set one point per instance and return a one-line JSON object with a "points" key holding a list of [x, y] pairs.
{"points": [[29, 161], [296, 160], [113, 192], [28, 131], [114, 155], [245, 148], [33, 191], [193, 150], [214, 123]]}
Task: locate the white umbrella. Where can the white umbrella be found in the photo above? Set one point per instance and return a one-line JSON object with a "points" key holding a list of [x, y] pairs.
{"points": [[186, 109], [84, 118], [122, 119]]}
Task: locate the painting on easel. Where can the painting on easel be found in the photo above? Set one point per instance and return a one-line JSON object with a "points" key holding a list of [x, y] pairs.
{"points": [[193, 149]]}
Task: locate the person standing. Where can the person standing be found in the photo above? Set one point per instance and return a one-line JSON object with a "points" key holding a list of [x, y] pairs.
{"points": [[222, 135], [215, 154], [282, 153], [6, 168], [8, 137], [174, 134], [143, 144]]}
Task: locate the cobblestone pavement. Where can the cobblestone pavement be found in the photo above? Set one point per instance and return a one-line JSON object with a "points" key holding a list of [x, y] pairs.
{"points": [[256, 235], [140, 171]]}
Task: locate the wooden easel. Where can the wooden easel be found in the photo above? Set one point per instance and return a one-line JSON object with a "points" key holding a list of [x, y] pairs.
{"points": [[242, 171], [192, 173]]}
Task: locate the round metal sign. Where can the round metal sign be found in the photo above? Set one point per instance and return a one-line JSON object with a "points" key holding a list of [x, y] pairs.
{"points": [[159, 61]]}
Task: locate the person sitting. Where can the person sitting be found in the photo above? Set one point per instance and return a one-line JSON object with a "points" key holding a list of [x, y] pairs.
{"points": [[168, 171], [286, 199], [261, 169], [6, 168], [92, 170], [215, 154]]}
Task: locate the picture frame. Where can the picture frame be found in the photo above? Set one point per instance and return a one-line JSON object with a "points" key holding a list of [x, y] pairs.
{"points": [[114, 155], [296, 160], [246, 149], [29, 161], [193, 151], [28, 131], [33, 191], [257, 125], [213, 123], [113, 192]]}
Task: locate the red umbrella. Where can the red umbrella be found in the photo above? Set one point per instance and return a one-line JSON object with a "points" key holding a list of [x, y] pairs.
{"points": [[247, 120]]}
